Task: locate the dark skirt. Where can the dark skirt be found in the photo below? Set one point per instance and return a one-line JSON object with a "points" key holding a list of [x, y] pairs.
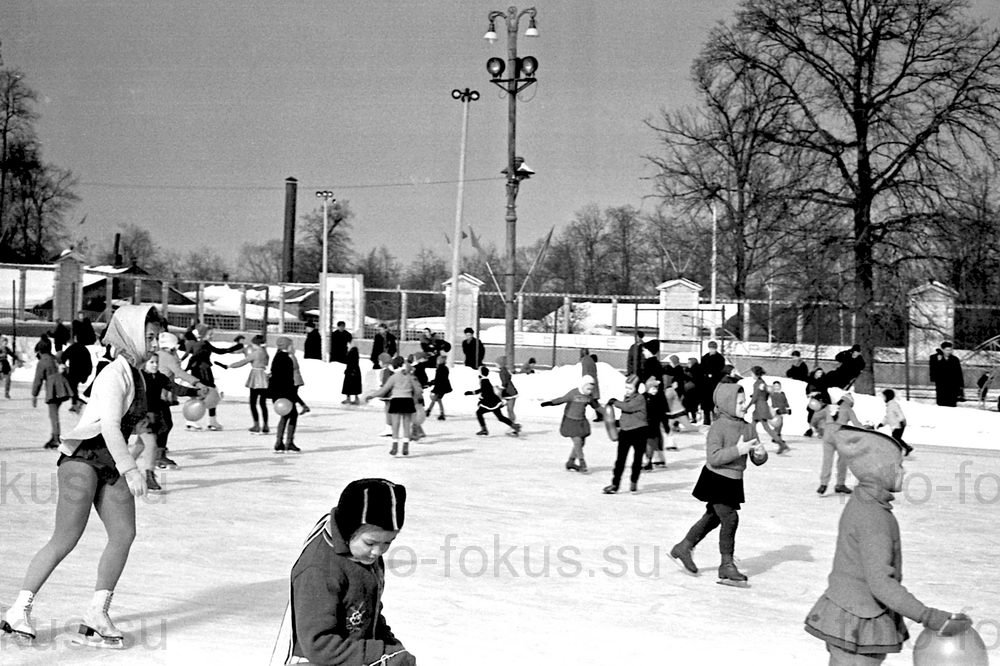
{"points": [[714, 488], [858, 635], [401, 406], [574, 428], [94, 452]]}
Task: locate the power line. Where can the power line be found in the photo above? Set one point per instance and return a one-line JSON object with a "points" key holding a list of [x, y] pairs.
{"points": [[277, 188]]}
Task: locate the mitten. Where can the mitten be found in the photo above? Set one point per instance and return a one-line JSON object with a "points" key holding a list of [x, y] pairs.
{"points": [[547, 403], [952, 623], [744, 446], [470, 393]]}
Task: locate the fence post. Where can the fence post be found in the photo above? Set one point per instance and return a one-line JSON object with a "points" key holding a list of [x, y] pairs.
{"points": [[281, 311], [165, 300], [22, 295], [520, 314], [243, 307], [136, 290], [614, 315], [109, 296], [568, 304], [199, 301], [746, 321], [800, 324], [403, 302]]}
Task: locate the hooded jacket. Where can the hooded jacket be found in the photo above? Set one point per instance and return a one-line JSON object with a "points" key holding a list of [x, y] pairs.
{"points": [[114, 388], [721, 454]]}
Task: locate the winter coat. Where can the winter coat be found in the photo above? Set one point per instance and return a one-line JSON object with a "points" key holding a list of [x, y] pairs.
{"points": [[57, 388], [442, 380], [313, 345], [281, 383], [721, 454], [633, 409], [352, 373]]}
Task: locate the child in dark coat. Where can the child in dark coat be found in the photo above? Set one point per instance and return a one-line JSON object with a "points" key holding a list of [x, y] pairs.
{"points": [[632, 434], [489, 401], [730, 440], [440, 387], [860, 616], [337, 582], [281, 384], [352, 377]]}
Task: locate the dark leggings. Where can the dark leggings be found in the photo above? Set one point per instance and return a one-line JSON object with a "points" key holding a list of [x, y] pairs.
{"points": [[496, 412], [288, 421], [54, 420], [166, 425], [629, 439], [716, 515], [258, 396]]}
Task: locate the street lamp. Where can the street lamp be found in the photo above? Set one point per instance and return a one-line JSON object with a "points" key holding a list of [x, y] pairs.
{"points": [[324, 303], [521, 74], [712, 191], [465, 97]]}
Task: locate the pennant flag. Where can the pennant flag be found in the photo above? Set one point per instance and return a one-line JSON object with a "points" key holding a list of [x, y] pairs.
{"points": [[475, 243], [447, 240]]}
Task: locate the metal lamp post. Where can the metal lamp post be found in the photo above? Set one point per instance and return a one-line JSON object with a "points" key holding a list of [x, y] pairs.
{"points": [[465, 97], [711, 192], [521, 74], [324, 303]]}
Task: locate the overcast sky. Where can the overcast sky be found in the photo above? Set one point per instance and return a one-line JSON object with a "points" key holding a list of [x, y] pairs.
{"points": [[185, 117]]}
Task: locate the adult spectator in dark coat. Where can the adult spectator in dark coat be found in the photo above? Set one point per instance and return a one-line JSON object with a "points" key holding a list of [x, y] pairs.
{"points": [[313, 346], [340, 341], [712, 369], [798, 369], [383, 342], [651, 366], [947, 376], [473, 349], [634, 360], [83, 330], [61, 335], [851, 365]]}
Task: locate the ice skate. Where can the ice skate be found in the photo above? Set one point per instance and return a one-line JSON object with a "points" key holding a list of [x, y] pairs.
{"points": [[191, 426], [610, 490], [279, 447], [515, 431], [264, 430], [730, 575], [53, 443], [681, 555], [152, 485], [633, 487], [17, 619], [291, 448], [395, 449], [254, 429], [305, 410], [783, 448], [821, 490], [483, 433], [842, 489], [572, 466], [163, 462], [441, 417], [214, 426], [406, 448], [97, 629]]}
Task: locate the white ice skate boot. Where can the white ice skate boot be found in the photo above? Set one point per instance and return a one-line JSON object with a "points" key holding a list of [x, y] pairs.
{"points": [[17, 619], [97, 629]]}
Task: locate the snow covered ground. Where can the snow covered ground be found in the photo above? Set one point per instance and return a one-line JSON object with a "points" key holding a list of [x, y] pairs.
{"points": [[505, 556]]}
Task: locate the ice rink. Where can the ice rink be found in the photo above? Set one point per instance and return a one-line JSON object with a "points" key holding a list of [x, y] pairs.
{"points": [[505, 556]]}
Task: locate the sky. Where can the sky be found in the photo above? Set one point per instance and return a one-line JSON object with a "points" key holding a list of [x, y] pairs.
{"points": [[185, 118]]}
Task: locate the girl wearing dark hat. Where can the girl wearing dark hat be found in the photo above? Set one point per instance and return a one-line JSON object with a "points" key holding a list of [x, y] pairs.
{"points": [[729, 442], [281, 385], [860, 616], [335, 605], [762, 410], [200, 365]]}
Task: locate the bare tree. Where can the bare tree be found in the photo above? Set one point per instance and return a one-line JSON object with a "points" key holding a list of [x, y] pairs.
{"points": [[309, 246], [260, 263], [883, 96], [17, 118]]}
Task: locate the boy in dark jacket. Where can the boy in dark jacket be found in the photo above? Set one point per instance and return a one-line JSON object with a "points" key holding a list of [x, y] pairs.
{"points": [[632, 434], [489, 401], [337, 582], [282, 385]]}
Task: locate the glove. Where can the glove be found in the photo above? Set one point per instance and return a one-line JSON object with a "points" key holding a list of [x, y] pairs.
{"points": [[612, 402], [547, 403], [952, 623], [470, 393], [744, 446], [239, 339]]}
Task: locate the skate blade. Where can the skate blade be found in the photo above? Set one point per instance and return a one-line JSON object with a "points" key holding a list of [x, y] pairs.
{"points": [[733, 583], [21, 638], [87, 637], [684, 569]]}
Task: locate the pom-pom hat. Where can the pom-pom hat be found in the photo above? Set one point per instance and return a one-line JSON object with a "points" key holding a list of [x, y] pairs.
{"points": [[375, 502], [871, 456]]}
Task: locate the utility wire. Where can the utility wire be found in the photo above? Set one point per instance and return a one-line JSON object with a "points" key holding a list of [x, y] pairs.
{"points": [[277, 188]]}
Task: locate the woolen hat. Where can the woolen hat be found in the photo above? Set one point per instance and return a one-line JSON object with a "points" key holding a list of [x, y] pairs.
{"points": [[871, 455], [283, 342], [375, 502]]}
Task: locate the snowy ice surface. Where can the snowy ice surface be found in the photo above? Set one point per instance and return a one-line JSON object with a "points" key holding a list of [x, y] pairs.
{"points": [[505, 556]]}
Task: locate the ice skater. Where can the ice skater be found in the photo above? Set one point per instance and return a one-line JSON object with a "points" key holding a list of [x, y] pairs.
{"points": [[632, 435], [894, 419], [729, 442], [780, 408], [402, 390], [574, 423], [57, 389], [845, 416], [351, 387], [337, 581], [8, 361], [656, 416], [440, 387], [256, 355], [860, 615], [761, 408], [281, 385], [95, 458], [507, 389], [818, 393], [170, 366], [200, 365], [489, 401]]}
